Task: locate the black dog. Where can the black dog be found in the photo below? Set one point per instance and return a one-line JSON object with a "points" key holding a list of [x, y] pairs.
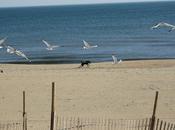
{"points": [[86, 62]]}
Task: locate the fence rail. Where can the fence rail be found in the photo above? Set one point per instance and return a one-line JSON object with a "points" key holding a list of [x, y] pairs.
{"points": [[11, 125], [76, 123], [101, 124]]}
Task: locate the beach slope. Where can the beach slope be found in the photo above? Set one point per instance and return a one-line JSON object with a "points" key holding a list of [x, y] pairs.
{"points": [[125, 90]]}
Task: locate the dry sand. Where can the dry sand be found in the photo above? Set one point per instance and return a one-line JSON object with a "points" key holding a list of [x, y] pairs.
{"points": [[125, 90]]}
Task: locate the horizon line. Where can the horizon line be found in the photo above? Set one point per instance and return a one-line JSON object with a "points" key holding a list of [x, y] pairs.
{"points": [[25, 6]]}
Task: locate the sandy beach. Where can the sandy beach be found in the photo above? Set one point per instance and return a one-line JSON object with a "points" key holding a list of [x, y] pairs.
{"points": [[125, 90]]}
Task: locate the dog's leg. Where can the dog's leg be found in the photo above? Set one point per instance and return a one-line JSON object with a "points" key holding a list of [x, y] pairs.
{"points": [[87, 65]]}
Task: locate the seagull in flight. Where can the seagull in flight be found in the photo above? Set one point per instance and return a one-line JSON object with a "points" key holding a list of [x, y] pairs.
{"points": [[115, 60], [2, 42], [88, 46], [12, 50], [163, 24], [49, 47]]}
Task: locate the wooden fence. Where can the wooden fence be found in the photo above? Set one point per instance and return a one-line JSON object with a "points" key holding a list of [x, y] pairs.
{"points": [[31, 125], [111, 124], [101, 124], [76, 123], [11, 125]]}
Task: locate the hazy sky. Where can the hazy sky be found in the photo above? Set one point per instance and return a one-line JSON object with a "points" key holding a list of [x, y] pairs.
{"points": [[14, 3]]}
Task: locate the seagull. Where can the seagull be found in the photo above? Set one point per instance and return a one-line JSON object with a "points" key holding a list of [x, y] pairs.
{"points": [[2, 42], [87, 46], [49, 47], [115, 61], [162, 24], [12, 50]]}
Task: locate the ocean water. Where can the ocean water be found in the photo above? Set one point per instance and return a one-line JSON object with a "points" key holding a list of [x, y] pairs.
{"points": [[120, 29]]}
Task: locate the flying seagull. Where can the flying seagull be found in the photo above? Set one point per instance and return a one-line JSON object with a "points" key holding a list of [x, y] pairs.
{"points": [[115, 60], [2, 42], [88, 46], [162, 24], [49, 47], [12, 50]]}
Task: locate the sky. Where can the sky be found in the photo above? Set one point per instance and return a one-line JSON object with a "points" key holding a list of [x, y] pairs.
{"points": [[19, 3]]}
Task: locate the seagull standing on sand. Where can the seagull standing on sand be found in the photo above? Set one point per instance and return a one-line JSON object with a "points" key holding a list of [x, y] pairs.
{"points": [[162, 24], [115, 60], [49, 47], [12, 50], [2, 42], [88, 46]]}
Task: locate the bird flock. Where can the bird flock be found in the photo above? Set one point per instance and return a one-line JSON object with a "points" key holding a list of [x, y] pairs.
{"points": [[49, 47]]}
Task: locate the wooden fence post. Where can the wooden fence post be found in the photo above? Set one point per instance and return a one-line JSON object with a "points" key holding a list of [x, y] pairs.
{"points": [[171, 127], [168, 126], [164, 126], [56, 126], [24, 112], [139, 126], [157, 124], [142, 124], [52, 107], [78, 123], [146, 124], [154, 112], [160, 128]]}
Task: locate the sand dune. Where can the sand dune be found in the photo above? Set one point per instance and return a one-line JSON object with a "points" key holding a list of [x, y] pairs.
{"points": [[125, 90]]}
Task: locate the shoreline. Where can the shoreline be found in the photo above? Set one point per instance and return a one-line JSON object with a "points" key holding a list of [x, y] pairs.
{"points": [[78, 61], [126, 64]]}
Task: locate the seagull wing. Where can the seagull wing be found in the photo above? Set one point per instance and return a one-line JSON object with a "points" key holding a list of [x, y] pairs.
{"points": [[163, 24], [10, 49], [114, 59], [47, 44], [19, 53], [95, 46], [55, 46], [86, 44], [157, 25], [168, 25], [120, 61], [172, 29], [2, 42]]}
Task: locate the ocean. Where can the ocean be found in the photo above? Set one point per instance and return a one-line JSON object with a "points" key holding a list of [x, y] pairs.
{"points": [[121, 29]]}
